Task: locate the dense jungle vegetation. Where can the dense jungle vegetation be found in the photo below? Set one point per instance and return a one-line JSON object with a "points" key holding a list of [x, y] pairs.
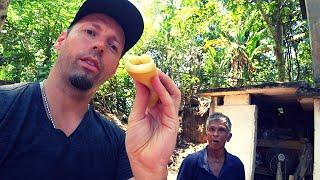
{"points": [[201, 44]]}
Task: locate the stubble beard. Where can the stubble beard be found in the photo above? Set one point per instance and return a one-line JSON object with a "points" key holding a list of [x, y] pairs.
{"points": [[81, 82], [79, 79]]}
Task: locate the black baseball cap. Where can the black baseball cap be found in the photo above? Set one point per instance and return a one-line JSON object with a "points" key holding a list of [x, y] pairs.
{"points": [[122, 11]]}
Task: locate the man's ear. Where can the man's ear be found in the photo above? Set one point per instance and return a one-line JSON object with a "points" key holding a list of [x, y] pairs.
{"points": [[60, 40], [230, 135], [205, 138]]}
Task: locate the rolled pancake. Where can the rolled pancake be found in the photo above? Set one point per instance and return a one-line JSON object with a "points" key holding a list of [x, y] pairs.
{"points": [[143, 69]]}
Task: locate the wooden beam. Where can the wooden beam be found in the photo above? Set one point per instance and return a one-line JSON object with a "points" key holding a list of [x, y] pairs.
{"points": [[265, 91], [313, 7]]}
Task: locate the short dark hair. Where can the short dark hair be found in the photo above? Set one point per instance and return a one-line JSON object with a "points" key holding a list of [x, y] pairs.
{"points": [[219, 117]]}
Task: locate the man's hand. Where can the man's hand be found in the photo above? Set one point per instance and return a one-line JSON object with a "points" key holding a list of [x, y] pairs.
{"points": [[152, 132]]}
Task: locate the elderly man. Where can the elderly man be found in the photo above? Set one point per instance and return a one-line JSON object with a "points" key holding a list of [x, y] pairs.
{"points": [[213, 162], [48, 130]]}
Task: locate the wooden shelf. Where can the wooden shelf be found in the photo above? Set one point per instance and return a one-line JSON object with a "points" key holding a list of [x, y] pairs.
{"points": [[287, 144]]}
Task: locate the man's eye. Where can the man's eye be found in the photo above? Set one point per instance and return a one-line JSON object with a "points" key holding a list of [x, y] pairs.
{"points": [[113, 47], [90, 32]]}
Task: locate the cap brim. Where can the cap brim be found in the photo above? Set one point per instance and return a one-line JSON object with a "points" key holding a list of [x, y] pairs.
{"points": [[122, 11]]}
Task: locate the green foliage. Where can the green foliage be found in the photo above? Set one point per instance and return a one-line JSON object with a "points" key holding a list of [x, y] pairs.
{"points": [[116, 95], [201, 44], [28, 36]]}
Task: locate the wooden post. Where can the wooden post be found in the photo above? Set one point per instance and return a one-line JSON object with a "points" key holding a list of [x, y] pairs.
{"points": [[291, 177], [316, 148], [313, 7]]}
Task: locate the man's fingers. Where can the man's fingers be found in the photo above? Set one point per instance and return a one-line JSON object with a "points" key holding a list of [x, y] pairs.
{"points": [[167, 91], [141, 101], [171, 88]]}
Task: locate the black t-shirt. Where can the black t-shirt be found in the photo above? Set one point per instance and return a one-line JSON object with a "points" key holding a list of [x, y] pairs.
{"points": [[31, 148]]}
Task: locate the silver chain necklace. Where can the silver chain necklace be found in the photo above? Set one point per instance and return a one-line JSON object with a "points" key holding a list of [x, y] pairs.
{"points": [[45, 103]]}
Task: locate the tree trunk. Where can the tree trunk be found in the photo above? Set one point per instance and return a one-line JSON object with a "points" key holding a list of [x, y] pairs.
{"points": [[3, 11], [278, 43], [193, 126], [280, 62], [276, 30]]}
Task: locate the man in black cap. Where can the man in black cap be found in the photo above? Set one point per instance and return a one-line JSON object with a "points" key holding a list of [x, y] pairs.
{"points": [[48, 130]]}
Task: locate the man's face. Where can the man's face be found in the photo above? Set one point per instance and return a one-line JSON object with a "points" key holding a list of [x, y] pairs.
{"points": [[217, 135], [89, 54]]}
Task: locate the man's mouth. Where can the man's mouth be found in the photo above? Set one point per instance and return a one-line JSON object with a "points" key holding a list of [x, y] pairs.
{"points": [[90, 63], [215, 141]]}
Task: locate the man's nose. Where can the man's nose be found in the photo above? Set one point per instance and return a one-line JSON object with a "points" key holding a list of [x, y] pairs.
{"points": [[99, 48], [215, 133]]}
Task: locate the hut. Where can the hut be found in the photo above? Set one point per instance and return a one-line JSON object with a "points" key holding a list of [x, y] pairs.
{"points": [[275, 127]]}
